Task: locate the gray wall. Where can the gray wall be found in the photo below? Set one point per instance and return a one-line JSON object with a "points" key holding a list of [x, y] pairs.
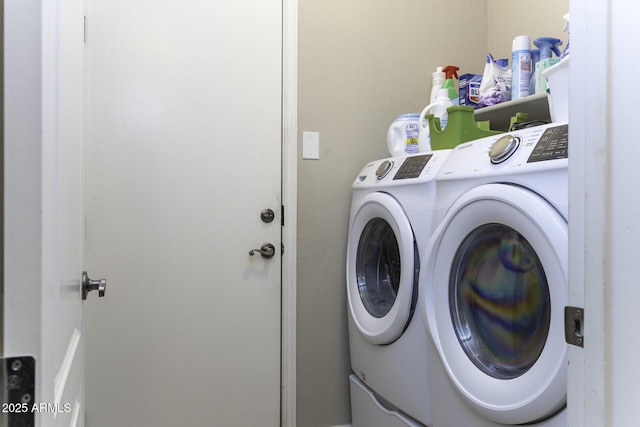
{"points": [[361, 63]]}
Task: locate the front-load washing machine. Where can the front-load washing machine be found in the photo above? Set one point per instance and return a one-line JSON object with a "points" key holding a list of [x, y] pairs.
{"points": [[495, 282], [389, 227]]}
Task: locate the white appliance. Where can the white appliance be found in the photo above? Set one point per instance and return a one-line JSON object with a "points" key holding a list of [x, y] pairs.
{"points": [[390, 224], [494, 277]]}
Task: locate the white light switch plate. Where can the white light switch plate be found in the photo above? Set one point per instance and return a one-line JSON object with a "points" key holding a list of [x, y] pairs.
{"points": [[310, 145]]}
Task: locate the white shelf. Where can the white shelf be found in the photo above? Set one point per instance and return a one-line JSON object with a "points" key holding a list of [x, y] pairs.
{"points": [[537, 106]]}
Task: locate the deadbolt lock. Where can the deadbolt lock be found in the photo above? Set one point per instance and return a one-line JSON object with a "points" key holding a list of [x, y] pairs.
{"points": [[267, 215]]}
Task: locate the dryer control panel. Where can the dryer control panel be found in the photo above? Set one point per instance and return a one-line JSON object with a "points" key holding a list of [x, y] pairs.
{"points": [[525, 150]]}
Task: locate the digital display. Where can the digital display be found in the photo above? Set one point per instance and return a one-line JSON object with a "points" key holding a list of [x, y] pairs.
{"points": [[412, 167], [553, 144]]}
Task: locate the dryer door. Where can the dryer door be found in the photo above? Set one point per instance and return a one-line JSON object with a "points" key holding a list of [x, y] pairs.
{"points": [[496, 288], [382, 269]]}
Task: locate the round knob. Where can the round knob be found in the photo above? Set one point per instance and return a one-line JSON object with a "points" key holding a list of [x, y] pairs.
{"points": [[503, 148], [384, 169]]}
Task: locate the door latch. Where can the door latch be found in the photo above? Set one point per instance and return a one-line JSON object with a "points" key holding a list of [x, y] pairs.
{"points": [[574, 326], [267, 251], [18, 378]]}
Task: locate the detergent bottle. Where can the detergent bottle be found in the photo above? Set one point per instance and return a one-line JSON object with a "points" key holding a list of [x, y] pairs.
{"points": [[439, 109]]}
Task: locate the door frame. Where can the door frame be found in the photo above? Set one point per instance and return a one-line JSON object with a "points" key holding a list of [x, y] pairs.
{"points": [[290, 203]]}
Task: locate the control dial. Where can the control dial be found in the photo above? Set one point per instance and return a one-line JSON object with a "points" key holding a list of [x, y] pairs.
{"points": [[503, 148], [384, 169]]}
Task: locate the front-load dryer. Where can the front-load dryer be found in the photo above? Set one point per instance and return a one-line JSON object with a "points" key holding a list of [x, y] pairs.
{"points": [[390, 224], [494, 277]]}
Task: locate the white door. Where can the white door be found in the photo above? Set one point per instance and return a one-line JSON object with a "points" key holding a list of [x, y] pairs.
{"points": [[43, 238], [183, 154]]}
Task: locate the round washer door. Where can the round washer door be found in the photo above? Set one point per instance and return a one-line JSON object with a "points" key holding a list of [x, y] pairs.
{"points": [[382, 269], [495, 292]]}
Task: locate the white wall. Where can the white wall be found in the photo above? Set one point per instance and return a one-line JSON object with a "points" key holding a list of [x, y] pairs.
{"points": [[507, 19]]}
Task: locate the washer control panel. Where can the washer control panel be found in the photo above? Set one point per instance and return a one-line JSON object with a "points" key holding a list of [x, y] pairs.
{"points": [[411, 169]]}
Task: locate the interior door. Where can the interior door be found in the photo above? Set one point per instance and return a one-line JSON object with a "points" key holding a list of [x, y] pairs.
{"points": [[43, 336], [183, 155]]}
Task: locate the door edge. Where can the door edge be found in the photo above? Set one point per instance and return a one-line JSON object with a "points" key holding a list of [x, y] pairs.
{"points": [[289, 192]]}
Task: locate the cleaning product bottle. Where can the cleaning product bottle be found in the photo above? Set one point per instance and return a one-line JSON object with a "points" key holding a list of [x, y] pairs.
{"points": [[439, 109], [547, 46], [521, 67], [451, 72], [437, 79]]}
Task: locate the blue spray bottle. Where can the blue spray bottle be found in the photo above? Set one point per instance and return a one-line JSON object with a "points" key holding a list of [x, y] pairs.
{"points": [[547, 45]]}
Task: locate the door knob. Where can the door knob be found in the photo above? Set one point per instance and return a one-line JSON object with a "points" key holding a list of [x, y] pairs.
{"points": [[267, 250], [89, 285]]}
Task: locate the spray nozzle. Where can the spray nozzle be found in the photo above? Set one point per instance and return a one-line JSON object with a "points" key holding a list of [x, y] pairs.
{"points": [[546, 45], [451, 71]]}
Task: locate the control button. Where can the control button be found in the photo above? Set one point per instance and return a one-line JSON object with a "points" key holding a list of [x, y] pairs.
{"points": [[503, 148], [384, 169]]}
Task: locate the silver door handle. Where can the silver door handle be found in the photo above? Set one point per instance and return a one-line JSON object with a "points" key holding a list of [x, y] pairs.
{"points": [[267, 250], [89, 285]]}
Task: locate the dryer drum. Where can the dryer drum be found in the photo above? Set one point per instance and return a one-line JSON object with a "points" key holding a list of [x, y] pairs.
{"points": [[499, 301]]}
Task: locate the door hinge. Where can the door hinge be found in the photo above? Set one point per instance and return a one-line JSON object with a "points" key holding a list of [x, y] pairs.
{"points": [[574, 326], [18, 378]]}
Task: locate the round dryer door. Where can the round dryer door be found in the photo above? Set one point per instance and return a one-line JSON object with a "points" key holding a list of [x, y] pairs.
{"points": [[382, 269], [496, 288]]}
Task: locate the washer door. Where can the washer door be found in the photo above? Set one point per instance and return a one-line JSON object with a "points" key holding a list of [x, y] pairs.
{"points": [[495, 292], [382, 269]]}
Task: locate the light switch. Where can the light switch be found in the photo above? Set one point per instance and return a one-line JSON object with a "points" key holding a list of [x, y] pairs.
{"points": [[310, 145]]}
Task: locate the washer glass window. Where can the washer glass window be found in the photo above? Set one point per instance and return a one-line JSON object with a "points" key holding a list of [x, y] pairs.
{"points": [[378, 267], [499, 301]]}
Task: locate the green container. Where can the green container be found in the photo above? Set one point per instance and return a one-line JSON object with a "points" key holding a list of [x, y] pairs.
{"points": [[461, 127]]}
